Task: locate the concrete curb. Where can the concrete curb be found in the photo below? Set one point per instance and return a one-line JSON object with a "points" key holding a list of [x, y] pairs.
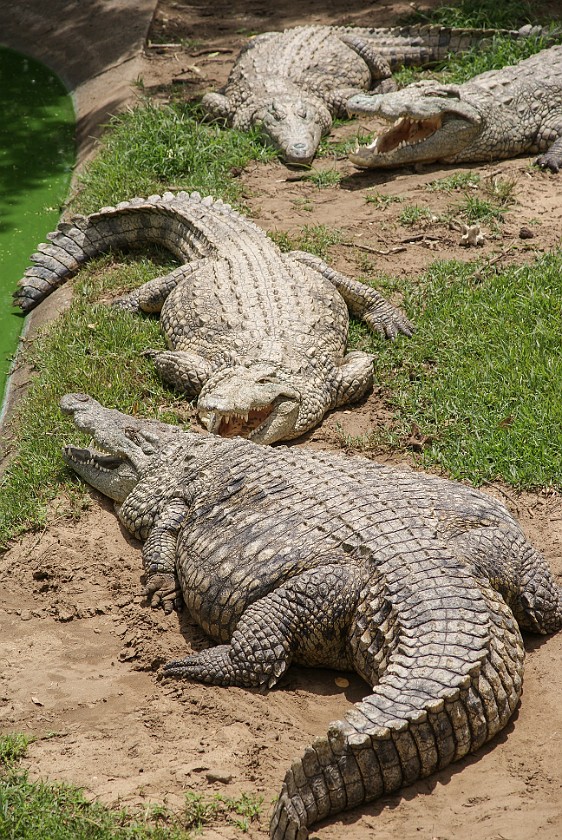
{"points": [[95, 47]]}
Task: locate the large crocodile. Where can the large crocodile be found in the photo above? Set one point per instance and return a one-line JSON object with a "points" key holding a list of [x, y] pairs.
{"points": [[499, 114], [259, 335], [288, 555], [293, 83]]}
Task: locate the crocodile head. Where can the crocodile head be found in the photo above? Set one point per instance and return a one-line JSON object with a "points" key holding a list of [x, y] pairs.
{"points": [[294, 124], [126, 446], [430, 122], [260, 401]]}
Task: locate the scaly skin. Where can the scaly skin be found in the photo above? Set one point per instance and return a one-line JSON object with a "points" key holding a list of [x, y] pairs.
{"points": [[285, 555], [292, 84], [257, 335], [499, 114]]}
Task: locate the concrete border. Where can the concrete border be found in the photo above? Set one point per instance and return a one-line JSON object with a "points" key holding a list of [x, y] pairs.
{"points": [[95, 47]]}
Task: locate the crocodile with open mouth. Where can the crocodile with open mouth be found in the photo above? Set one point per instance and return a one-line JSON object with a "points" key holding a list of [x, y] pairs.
{"points": [[258, 335], [498, 114]]}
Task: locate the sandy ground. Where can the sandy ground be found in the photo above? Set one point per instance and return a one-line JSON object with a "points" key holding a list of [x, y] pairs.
{"points": [[81, 648]]}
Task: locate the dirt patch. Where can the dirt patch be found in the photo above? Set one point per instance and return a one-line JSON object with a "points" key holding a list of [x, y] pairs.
{"points": [[81, 647]]}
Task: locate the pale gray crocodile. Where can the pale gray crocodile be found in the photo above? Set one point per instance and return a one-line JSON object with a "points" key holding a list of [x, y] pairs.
{"points": [[287, 555], [498, 114], [292, 84], [259, 335]]}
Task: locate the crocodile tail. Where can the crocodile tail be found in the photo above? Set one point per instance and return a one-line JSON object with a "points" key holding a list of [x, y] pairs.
{"points": [[177, 222], [451, 661], [423, 44]]}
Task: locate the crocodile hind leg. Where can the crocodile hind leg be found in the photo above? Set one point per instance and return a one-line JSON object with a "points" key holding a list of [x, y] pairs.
{"points": [[446, 666], [362, 301], [283, 626], [151, 296]]}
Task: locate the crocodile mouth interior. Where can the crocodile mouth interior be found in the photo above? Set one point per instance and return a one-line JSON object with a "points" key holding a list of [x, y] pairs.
{"points": [[87, 457], [244, 424], [405, 131]]}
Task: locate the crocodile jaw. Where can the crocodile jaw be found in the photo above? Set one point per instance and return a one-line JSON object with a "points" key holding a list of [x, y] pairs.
{"points": [[262, 424], [423, 130], [112, 475]]}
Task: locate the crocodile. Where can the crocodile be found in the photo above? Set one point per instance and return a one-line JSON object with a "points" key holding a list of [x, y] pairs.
{"points": [[287, 555], [498, 114], [292, 84], [259, 336]]}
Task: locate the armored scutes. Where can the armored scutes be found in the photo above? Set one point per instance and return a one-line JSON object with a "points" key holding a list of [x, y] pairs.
{"points": [[288, 555], [293, 83], [499, 114], [259, 335]]}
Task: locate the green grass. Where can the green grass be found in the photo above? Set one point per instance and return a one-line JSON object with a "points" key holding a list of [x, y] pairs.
{"points": [[481, 375], [323, 178], [460, 67], [381, 200], [92, 348], [413, 214], [456, 181], [30, 810], [486, 14], [476, 209], [153, 148], [314, 238]]}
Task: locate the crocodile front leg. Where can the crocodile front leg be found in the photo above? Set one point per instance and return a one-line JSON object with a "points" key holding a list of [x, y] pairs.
{"points": [[362, 301], [283, 626], [552, 159], [356, 377], [159, 558], [182, 370]]}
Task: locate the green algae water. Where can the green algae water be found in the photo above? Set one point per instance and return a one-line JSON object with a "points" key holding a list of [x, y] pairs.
{"points": [[36, 157]]}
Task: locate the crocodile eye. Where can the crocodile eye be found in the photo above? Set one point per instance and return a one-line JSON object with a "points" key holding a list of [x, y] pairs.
{"points": [[276, 112], [301, 112]]}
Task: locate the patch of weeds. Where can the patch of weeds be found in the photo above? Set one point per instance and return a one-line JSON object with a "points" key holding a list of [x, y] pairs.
{"points": [[457, 181], [376, 441], [381, 200], [150, 149], [240, 811], [473, 208], [95, 349], [314, 238], [500, 190], [323, 178], [13, 746], [341, 148], [413, 214], [304, 204]]}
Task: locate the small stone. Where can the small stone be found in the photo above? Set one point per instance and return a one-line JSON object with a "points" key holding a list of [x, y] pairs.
{"points": [[25, 615], [341, 682], [65, 614], [218, 776], [526, 233], [127, 654]]}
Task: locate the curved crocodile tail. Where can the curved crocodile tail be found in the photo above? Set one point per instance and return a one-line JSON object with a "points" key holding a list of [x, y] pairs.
{"points": [[178, 222], [451, 660]]}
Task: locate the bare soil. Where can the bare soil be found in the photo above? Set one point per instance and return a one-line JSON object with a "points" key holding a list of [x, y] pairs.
{"points": [[82, 649]]}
